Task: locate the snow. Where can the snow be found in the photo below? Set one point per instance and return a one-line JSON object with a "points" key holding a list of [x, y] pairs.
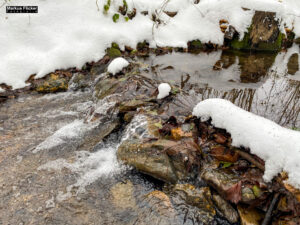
{"points": [[163, 90], [1, 90], [117, 65], [68, 34], [278, 146]]}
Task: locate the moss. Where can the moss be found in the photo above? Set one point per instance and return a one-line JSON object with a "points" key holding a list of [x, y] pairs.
{"points": [[275, 46], [116, 17], [54, 83], [245, 43], [114, 51], [195, 45]]}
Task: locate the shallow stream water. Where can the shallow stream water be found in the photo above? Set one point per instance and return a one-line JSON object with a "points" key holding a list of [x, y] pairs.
{"points": [[54, 168]]}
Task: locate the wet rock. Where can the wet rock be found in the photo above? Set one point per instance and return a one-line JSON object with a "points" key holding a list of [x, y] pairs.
{"points": [[79, 82], [132, 105], [163, 159], [247, 194], [143, 151], [263, 34], [122, 195], [157, 209], [226, 209], [227, 183], [148, 158], [53, 83], [195, 202], [250, 216]]}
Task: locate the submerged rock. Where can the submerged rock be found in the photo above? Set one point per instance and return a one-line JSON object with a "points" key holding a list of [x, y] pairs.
{"points": [[250, 216]]}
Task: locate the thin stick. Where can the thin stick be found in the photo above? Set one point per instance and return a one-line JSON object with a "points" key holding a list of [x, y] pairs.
{"points": [[270, 210], [248, 157]]}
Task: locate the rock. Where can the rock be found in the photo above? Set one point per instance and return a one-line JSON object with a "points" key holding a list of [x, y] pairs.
{"points": [[151, 158], [250, 216], [147, 159], [131, 105], [225, 182], [247, 194], [78, 82], [122, 195], [293, 65], [157, 209], [163, 159], [194, 203], [170, 14], [230, 33], [53, 83], [263, 34], [226, 209]]}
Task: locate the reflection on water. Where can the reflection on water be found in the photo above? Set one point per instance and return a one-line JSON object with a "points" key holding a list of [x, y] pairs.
{"points": [[263, 83]]}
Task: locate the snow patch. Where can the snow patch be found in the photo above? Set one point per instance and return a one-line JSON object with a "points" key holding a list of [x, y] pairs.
{"points": [[163, 90], [68, 34], [278, 146], [117, 65]]}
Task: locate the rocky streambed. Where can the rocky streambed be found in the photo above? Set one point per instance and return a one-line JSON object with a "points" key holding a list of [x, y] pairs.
{"points": [[103, 150]]}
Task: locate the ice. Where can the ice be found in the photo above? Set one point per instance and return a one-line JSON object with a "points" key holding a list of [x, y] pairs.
{"points": [[278, 146], [163, 90], [117, 65]]}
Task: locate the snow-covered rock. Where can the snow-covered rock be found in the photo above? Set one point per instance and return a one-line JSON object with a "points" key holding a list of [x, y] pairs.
{"points": [[117, 65], [163, 90], [278, 146]]}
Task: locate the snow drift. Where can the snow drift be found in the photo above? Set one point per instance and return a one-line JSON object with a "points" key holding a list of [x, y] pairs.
{"points": [[68, 33]]}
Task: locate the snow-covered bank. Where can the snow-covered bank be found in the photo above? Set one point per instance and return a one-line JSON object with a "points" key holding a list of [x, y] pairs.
{"points": [[70, 33], [278, 146]]}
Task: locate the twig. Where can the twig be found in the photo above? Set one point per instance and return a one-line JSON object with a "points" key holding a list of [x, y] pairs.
{"points": [[250, 158], [270, 210]]}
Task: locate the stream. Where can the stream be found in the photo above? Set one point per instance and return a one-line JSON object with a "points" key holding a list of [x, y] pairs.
{"points": [[58, 161]]}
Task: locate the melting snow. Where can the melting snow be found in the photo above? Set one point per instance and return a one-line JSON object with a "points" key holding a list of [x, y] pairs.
{"points": [[278, 146], [117, 65], [68, 34], [163, 90]]}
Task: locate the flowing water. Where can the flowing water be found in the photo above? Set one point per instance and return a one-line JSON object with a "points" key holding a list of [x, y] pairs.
{"points": [[56, 169]]}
